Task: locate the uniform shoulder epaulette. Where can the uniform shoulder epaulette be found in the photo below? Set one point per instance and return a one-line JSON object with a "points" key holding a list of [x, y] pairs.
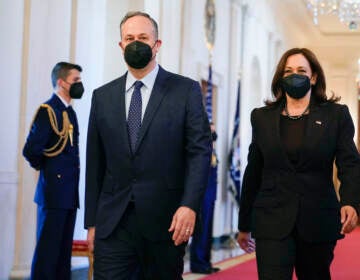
{"points": [[64, 134]]}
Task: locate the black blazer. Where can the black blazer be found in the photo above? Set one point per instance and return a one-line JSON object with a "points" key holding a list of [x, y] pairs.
{"points": [[58, 184], [170, 164], [277, 196]]}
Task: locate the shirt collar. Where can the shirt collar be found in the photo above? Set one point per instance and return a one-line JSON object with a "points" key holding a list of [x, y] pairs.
{"points": [[63, 101], [148, 80]]}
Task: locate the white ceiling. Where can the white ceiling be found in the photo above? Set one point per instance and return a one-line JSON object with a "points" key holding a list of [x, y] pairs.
{"points": [[331, 40]]}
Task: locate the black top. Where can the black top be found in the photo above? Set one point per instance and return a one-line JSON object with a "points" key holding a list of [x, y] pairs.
{"points": [[292, 133], [277, 196]]}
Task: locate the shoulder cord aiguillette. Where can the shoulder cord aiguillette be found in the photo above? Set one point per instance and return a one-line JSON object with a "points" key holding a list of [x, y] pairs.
{"points": [[65, 133]]}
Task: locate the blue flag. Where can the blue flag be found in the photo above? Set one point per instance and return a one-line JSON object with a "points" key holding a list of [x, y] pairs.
{"points": [[208, 99], [234, 155], [208, 108]]}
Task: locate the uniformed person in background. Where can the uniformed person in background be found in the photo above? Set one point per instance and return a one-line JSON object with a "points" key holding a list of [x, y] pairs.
{"points": [[52, 147], [200, 247]]}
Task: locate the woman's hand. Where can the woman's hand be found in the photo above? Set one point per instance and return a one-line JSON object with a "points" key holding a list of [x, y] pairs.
{"points": [[246, 242], [91, 238]]}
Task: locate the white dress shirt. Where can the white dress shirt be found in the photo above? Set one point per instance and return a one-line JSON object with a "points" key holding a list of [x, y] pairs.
{"points": [[146, 89]]}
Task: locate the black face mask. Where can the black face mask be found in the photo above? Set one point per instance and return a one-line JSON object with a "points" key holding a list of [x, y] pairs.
{"points": [[296, 85], [138, 54], [76, 90]]}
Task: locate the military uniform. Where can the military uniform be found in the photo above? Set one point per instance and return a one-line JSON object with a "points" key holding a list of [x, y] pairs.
{"points": [[52, 147]]}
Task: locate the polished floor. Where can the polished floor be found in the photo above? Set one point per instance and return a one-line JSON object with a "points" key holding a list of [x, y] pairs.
{"points": [[222, 258]]}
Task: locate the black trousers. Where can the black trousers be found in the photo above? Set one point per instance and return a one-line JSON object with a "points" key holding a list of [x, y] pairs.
{"points": [[201, 242], [52, 255], [125, 254], [276, 259]]}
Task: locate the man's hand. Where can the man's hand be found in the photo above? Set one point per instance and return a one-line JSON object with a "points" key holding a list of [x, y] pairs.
{"points": [[182, 224], [91, 238], [246, 242], [349, 219]]}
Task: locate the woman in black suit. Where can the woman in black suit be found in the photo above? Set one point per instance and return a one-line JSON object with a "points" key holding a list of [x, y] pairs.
{"points": [[288, 200]]}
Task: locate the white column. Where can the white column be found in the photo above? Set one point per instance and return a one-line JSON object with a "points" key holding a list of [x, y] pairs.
{"points": [[342, 81], [46, 41], [11, 30], [90, 55], [170, 27], [113, 63], [223, 215], [194, 54], [153, 8]]}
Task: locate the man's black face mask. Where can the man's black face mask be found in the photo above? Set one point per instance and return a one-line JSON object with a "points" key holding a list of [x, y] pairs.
{"points": [[138, 54], [76, 90]]}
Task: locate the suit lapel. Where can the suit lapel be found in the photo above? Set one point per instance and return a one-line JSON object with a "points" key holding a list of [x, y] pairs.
{"points": [[279, 144], [315, 127], [157, 94], [117, 102]]}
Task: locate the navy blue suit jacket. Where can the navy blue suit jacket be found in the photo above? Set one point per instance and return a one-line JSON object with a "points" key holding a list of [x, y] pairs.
{"points": [[58, 182], [277, 196], [169, 167]]}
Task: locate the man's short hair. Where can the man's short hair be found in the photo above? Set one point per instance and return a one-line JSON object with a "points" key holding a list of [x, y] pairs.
{"points": [[138, 13], [61, 71]]}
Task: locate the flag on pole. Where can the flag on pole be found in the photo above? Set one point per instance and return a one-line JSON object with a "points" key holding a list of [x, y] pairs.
{"points": [[208, 99], [234, 155], [208, 108]]}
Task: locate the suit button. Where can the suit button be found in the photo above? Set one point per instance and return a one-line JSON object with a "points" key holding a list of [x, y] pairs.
{"points": [[59, 176]]}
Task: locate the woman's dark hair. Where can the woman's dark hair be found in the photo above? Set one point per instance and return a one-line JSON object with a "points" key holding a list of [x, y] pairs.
{"points": [[318, 91]]}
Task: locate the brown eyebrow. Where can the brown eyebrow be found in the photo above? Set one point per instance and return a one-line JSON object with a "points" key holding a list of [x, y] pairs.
{"points": [[300, 67], [132, 35]]}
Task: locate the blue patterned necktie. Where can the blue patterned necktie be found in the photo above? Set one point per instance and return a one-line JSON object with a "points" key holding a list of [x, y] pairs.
{"points": [[134, 117]]}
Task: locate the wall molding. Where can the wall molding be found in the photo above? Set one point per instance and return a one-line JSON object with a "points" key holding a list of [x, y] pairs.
{"points": [[8, 177]]}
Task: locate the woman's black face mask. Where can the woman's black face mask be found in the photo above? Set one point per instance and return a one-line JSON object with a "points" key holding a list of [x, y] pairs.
{"points": [[295, 85]]}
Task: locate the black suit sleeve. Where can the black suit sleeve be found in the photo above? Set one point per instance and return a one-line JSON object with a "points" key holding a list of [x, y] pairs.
{"points": [[198, 148], [95, 167], [251, 181], [348, 162]]}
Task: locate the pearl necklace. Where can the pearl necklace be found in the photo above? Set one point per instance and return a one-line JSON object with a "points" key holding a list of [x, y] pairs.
{"points": [[297, 116]]}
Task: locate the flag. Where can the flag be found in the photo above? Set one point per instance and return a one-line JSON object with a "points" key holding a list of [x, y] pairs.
{"points": [[208, 98], [234, 155], [200, 248], [208, 108]]}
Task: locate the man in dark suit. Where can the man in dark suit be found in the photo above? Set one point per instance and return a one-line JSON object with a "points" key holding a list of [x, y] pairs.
{"points": [[201, 243], [52, 148], [148, 157]]}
